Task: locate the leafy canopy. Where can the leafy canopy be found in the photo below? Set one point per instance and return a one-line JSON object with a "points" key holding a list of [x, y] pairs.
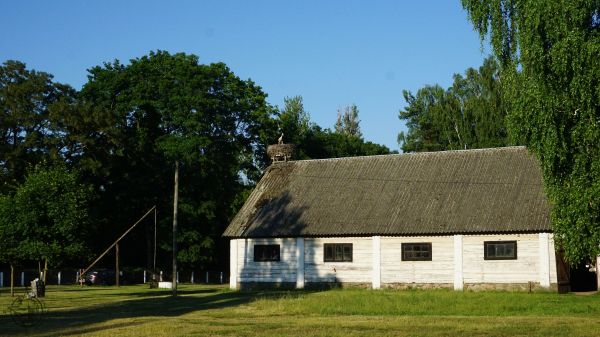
{"points": [[46, 218], [27, 134], [314, 142], [347, 121], [469, 114], [294, 120], [161, 108], [549, 52]]}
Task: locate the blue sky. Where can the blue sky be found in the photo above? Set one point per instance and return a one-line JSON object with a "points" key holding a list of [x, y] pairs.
{"points": [[333, 53]]}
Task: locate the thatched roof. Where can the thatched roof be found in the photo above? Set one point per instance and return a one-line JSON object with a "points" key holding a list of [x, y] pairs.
{"points": [[437, 193]]}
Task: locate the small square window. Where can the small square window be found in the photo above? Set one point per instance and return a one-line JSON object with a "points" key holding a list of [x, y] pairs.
{"points": [[265, 253], [500, 250], [337, 252], [420, 251]]}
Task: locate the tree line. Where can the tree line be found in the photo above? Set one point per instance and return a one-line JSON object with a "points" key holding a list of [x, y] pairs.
{"points": [[78, 167], [468, 115]]}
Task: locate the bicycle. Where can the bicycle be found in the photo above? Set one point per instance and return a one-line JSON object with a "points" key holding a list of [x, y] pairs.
{"points": [[27, 309]]}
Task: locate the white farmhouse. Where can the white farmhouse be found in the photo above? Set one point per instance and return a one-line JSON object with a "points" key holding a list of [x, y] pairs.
{"points": [[457, 219]]}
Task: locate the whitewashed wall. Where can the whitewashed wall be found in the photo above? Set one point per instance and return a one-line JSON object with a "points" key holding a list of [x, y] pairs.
{"points": [[357, 271], [439, 270], [552, 259], [283, 270], [442, 269], [526, 268]]}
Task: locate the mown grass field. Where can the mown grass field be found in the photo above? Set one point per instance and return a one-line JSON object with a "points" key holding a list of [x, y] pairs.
{"points": [[215, 311]]}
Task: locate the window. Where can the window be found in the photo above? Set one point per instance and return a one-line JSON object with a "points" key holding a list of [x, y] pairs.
{"points": [[264, 253], [338, 252], [420, 251], [500, 250]]}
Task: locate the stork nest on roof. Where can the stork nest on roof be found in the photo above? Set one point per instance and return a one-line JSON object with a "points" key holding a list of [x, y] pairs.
{"points": [[281, 152]]}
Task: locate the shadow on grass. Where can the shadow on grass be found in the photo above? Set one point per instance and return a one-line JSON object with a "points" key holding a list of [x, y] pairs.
{"points": [[155, 292], [152, 304]]}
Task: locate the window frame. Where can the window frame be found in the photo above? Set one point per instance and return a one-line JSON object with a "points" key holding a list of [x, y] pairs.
{"points": [[406, 245], [342, 247], [486, 256], [263, 247]]}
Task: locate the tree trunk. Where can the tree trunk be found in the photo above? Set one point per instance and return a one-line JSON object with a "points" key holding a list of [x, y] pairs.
{"points": [[154, 248], [148, 236]]}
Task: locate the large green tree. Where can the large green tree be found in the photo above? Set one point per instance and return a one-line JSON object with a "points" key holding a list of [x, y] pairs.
{"points": [[27, 135], [45, 218], [550, 57], [469, 114], [132, 122]]}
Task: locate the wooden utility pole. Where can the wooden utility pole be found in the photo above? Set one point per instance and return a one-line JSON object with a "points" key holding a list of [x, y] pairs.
{"points": [[45, 270], [154, 257], [175, 202], [117, 265]]}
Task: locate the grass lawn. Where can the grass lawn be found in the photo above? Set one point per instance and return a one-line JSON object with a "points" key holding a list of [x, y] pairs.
{"points": [[216, 311]]}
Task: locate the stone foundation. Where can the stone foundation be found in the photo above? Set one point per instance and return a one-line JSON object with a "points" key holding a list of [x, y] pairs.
{"points": [[401, 286], [336, 285], [527, 287], [308, 285]]}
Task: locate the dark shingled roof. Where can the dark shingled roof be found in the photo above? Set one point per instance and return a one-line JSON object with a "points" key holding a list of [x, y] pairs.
{"points": [[496, 190]]}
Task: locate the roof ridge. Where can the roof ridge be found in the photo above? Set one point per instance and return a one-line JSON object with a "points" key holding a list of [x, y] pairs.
{"points": [[488, 149]]}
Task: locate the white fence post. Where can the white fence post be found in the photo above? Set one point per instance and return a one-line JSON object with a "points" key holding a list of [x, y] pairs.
{"points": [[299, 263], [192, 278], [206, 277], [221, 278], [458, 263], [1, 279], [22, 279], [376, 272], [144, 275], [544, 260], [59, 277], [233, 260]]}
